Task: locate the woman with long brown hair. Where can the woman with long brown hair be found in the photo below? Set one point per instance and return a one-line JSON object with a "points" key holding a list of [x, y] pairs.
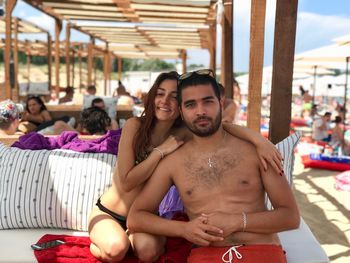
{"points": [[144, 142]]}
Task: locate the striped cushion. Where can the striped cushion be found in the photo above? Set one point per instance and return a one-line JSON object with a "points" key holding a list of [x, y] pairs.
{"points": [[51, 188], [286, 148]]}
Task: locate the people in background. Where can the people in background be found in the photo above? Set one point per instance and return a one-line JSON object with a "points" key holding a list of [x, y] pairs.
{"points": [[338, 142], [320, 128], [124, 97], [10, 115], [120, 87], [99, 103], [93, 121], [91, 90], [35, 115], [68, 97]]}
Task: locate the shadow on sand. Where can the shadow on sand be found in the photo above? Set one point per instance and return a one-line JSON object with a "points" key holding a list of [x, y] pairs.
{"points": [[325, 230]]}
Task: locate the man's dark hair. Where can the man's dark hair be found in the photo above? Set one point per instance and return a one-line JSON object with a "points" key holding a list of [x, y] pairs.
{"points": [[96, 100], [327, 113], [194, 80], [95, 120]]}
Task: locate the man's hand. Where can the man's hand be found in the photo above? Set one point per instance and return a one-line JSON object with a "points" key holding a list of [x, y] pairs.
{"points": [[199, 232], [229, 223]]}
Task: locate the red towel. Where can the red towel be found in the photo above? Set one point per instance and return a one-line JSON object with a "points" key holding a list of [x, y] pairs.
{"points": [[77, 250]]}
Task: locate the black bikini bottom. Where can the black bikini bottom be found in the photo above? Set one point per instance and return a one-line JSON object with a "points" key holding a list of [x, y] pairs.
{"points": [[120, 219]]}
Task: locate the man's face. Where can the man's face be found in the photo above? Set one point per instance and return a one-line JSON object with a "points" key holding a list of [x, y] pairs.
{"points": [[201, 109]]}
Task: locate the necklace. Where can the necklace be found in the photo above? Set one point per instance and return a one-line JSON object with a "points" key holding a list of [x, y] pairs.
{"points": [[210, 162]]}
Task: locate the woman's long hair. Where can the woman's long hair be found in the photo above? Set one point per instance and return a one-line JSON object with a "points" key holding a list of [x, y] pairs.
{"points": [[142, 140], [38, 100]]}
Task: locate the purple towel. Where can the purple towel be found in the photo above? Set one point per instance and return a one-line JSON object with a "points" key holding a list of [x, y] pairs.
{"points": [[70, 140], [171, 203]]}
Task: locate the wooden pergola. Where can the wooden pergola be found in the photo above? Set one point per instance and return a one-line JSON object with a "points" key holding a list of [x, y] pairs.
{"points": [[19, 26], [197, 14]]}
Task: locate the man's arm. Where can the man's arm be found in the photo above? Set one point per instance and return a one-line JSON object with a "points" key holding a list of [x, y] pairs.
{"points": [[142, 216]]}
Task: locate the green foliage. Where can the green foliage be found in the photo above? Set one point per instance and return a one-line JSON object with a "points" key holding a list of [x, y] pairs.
{"points": [[143, 65]]}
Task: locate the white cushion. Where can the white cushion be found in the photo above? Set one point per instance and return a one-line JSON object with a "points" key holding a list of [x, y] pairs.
{"points": [[51, 188], [110, 102], [301, 245]]}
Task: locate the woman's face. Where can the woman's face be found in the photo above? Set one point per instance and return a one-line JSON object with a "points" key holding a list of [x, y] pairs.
{"points": [[33, 106], [166, 107]]}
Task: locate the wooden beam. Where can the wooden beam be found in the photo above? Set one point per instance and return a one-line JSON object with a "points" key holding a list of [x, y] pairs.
{"points": [[127, 10], [15, 94], [184, 61], [49, 60], [282, 72], [120, 65], [68, 27], [10, 5], [227, 49], [256, 62], [58, 28]]}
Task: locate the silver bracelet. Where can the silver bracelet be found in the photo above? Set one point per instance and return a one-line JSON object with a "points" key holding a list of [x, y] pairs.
{"points": [[161, 153], [244, 219]]}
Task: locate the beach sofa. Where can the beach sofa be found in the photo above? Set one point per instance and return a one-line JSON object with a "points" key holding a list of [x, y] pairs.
{"points": [[57, 189]]}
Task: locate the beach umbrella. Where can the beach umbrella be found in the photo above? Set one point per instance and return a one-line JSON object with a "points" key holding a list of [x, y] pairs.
{"points": [[336, 56]]}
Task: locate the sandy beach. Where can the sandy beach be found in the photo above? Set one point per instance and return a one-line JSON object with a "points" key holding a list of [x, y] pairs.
{"points": [[325, 209]]}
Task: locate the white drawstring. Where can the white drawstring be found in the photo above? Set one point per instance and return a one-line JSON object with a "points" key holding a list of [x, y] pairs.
{"points": [[230, 256]]}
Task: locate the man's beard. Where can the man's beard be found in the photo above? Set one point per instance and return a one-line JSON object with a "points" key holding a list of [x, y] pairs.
{"points": [[204, 131]]}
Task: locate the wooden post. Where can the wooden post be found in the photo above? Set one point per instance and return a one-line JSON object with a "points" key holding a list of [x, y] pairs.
{"points": [[49, 61], [110, 63], [10, 5], [15, 93], [212, 47], [28, 62], [227, 49], [120, 68], [73, 68], [58, 28], [184, 61], [282, 73], [105, 69], [90, 61], [68, 54], [80, 69], [256, 63]]}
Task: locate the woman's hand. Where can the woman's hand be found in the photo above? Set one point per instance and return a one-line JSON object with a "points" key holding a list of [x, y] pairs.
{"points": [[170, 145], [268, 153]]}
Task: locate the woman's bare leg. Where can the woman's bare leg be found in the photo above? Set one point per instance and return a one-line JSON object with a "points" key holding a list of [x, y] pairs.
{"points": [[109, 242]]}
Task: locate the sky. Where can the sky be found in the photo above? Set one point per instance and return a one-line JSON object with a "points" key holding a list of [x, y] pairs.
{"points": [[318, 23]]}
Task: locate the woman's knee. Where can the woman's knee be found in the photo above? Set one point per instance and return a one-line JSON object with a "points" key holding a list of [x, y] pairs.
{"points": [[112, 250]]}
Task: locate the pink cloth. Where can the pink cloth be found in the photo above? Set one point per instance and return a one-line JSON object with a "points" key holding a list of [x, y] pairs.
{"points": [[342, 181]]}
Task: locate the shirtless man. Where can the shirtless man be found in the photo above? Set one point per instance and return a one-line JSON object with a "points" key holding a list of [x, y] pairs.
{"points": [[222, 186]]}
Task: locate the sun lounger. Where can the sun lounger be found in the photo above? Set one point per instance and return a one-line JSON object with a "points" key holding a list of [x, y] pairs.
{"points": [[300, 244]]}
